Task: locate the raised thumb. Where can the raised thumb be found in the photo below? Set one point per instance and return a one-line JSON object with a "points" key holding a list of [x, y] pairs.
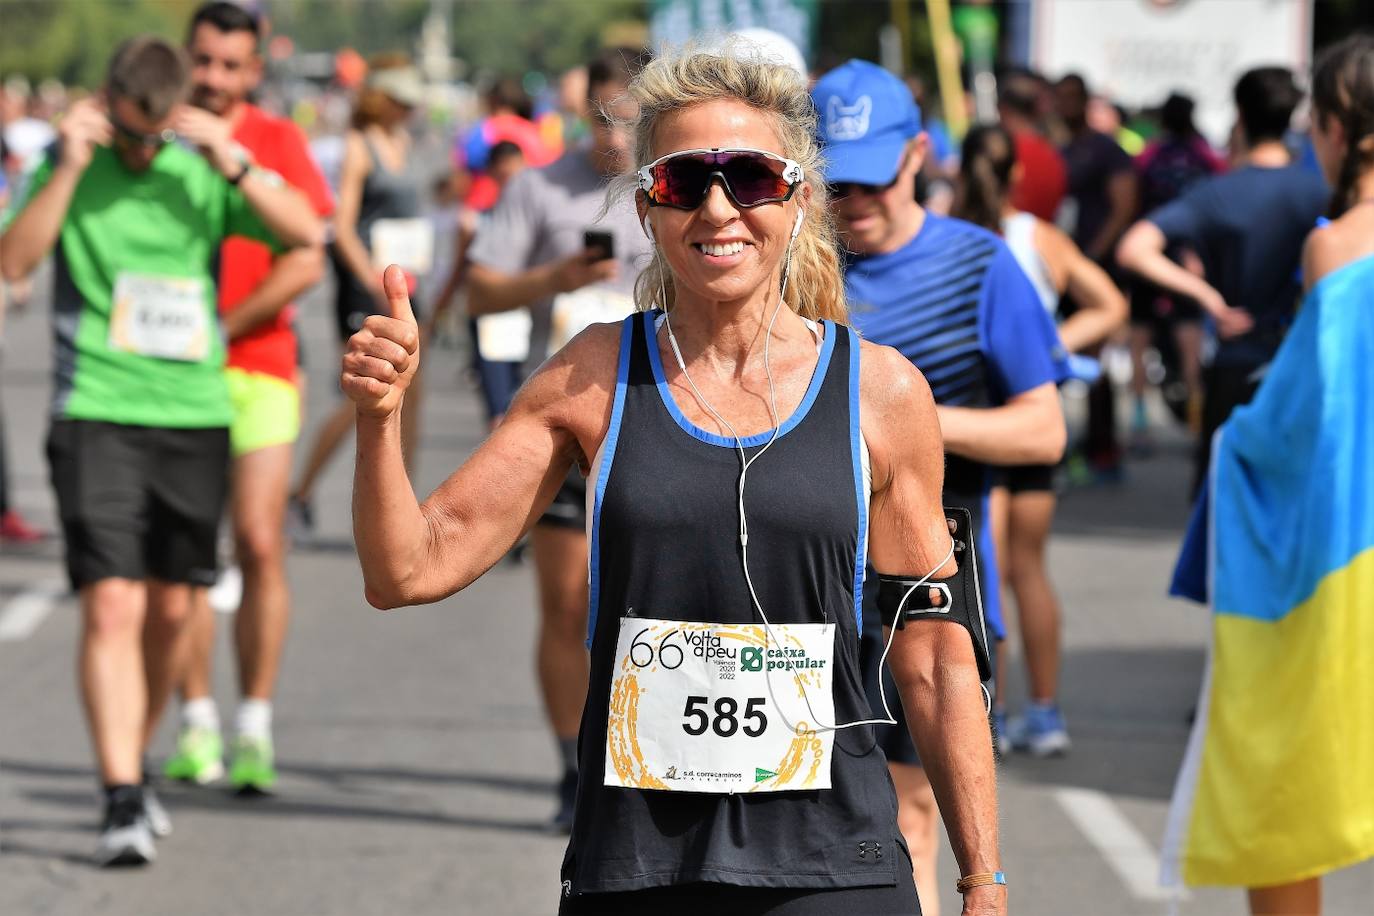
{"points": [[394, 283]]}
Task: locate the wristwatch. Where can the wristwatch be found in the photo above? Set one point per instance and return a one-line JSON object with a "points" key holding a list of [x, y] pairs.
{"points": [[245, 160]]}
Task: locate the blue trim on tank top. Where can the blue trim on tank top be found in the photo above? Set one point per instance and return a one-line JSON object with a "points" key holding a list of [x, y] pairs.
{"points": [[603, 474], [856, 451], [696, 432]]}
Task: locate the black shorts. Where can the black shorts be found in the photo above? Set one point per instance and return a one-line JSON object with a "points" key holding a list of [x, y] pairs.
{"points": [[729, 900], [569, 506], [138, 501], [1028, 478]]}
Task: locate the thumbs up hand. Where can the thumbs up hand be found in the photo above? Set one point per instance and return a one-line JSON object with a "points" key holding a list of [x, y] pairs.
{"points": [[382, 358]]}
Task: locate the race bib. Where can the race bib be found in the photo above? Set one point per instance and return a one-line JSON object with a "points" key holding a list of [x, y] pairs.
{"points": [[693, 710], [407, 243], [504, 337], [574, 312], [165, 317]]}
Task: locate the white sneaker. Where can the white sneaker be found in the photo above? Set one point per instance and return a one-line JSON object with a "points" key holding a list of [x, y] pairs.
{"points": [[227, 593]]}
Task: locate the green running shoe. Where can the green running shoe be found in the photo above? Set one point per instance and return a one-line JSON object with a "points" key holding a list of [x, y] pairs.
{"points": [[199, 757], [252, 769]]}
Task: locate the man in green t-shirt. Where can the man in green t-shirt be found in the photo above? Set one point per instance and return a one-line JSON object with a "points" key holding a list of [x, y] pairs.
{"points": [[139, 444]]}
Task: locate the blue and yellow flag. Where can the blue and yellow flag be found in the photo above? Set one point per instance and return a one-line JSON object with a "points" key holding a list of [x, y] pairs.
{"points": [[1277, 784]]}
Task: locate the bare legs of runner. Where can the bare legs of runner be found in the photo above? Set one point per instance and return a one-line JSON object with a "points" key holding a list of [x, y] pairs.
{"points": [[1301, 898], [560, 563], [1029, 517], [918, 817], [258, 511], [132, 642]]}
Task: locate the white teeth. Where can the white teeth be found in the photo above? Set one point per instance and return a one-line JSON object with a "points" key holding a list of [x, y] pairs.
{"points": [[721, 251]]}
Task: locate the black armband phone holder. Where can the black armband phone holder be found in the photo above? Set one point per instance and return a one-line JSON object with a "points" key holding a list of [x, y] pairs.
{"points": [[956, 598]]}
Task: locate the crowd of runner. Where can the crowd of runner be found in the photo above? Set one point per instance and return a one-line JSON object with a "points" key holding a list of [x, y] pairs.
{"points": [[660, 287]]}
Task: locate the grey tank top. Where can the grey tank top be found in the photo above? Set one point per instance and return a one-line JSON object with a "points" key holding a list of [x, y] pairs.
{"points": [[386, 194]]}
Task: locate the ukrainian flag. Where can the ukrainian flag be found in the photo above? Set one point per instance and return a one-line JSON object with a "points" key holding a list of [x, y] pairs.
{"points": [[1277, 784]]}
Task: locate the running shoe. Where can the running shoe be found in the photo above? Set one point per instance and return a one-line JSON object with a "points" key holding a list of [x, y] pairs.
{"points": [[199, 757], [1040, 732], [226, 594], [252, 770], [567, 800], [125, 837], [300, 519], [14, 528], [159, 821]]}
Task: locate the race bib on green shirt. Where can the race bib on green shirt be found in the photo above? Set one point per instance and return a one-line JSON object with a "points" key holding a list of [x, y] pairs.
{"points": [[163, 317]]}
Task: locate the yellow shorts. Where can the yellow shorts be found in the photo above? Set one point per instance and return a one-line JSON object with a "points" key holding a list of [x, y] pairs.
{"points": [[267, 411]]}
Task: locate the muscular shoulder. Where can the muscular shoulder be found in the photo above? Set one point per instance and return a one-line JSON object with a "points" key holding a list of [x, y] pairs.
{"points": [[574, 389], [897, 412]]}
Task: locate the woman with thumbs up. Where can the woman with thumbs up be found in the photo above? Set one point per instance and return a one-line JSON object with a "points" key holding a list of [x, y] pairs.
{"points": [[746, 453]]}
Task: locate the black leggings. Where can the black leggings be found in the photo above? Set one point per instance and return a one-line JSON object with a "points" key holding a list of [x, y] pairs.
{"points": [[728, 900]]}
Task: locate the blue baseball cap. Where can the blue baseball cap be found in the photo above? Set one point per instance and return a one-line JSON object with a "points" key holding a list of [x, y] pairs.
{"points": [[867, 116]]}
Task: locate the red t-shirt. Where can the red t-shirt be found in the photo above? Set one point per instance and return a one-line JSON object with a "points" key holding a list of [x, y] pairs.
{"points": [[1044, 179], [279, 145]]}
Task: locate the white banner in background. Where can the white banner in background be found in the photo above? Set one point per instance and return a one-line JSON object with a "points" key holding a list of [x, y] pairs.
{"points": [[1138, 51]]}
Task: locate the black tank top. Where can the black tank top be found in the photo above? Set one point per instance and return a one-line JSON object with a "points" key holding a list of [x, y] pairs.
{"points": [[665, 537]]}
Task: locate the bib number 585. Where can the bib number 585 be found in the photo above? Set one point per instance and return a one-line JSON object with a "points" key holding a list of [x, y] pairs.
{"points": [[727, 719]]}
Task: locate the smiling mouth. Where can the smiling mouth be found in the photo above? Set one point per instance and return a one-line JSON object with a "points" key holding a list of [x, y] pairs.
{"points": [[720, 251]]}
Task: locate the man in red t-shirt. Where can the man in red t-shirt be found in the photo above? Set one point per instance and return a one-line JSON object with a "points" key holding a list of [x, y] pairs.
{"points": [[256, 289]]}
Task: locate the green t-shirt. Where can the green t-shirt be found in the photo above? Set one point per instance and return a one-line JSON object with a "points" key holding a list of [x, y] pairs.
{"points": [[156, 360]]}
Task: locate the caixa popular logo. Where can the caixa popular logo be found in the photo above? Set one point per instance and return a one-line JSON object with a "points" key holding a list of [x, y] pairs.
{"points": [[785, 658]]}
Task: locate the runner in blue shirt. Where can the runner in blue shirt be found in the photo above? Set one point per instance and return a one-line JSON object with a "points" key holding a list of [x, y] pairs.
{"points": [[951, 298]]}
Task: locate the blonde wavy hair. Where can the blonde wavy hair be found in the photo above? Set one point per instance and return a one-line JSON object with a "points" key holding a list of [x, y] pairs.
{"points": [[678, 80]]}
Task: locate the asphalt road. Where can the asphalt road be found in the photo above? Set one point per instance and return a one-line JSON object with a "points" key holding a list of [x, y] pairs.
{"points": [[416, 769]]}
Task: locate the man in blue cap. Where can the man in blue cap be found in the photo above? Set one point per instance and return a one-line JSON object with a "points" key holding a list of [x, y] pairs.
{"points": [[951, 298]]}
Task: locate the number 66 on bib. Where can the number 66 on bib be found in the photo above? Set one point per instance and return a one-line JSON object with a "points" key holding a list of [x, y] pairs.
{"points": [[706, 707]]}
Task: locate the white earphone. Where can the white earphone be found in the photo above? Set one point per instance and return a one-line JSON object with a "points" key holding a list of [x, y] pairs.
{"points": [[648, 229]]}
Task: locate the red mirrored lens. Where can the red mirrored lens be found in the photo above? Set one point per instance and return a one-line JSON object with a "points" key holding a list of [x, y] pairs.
{"points": [[750, 179]]}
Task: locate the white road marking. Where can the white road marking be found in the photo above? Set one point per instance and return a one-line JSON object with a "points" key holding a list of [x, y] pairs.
{"points": [[23, 613], [1123, 846]]}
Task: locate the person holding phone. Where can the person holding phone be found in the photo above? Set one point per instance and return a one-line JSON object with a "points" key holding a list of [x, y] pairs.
{"points": [[552, 250]]}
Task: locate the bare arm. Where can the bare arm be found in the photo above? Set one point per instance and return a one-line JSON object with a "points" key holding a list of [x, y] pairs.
{"points": [[293, 272], [1028, 429], [34, 231], [931, 661], [1102, 308], [492, 290], [462, 240], [1142, 251], [413, 553], [284, 210]]}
